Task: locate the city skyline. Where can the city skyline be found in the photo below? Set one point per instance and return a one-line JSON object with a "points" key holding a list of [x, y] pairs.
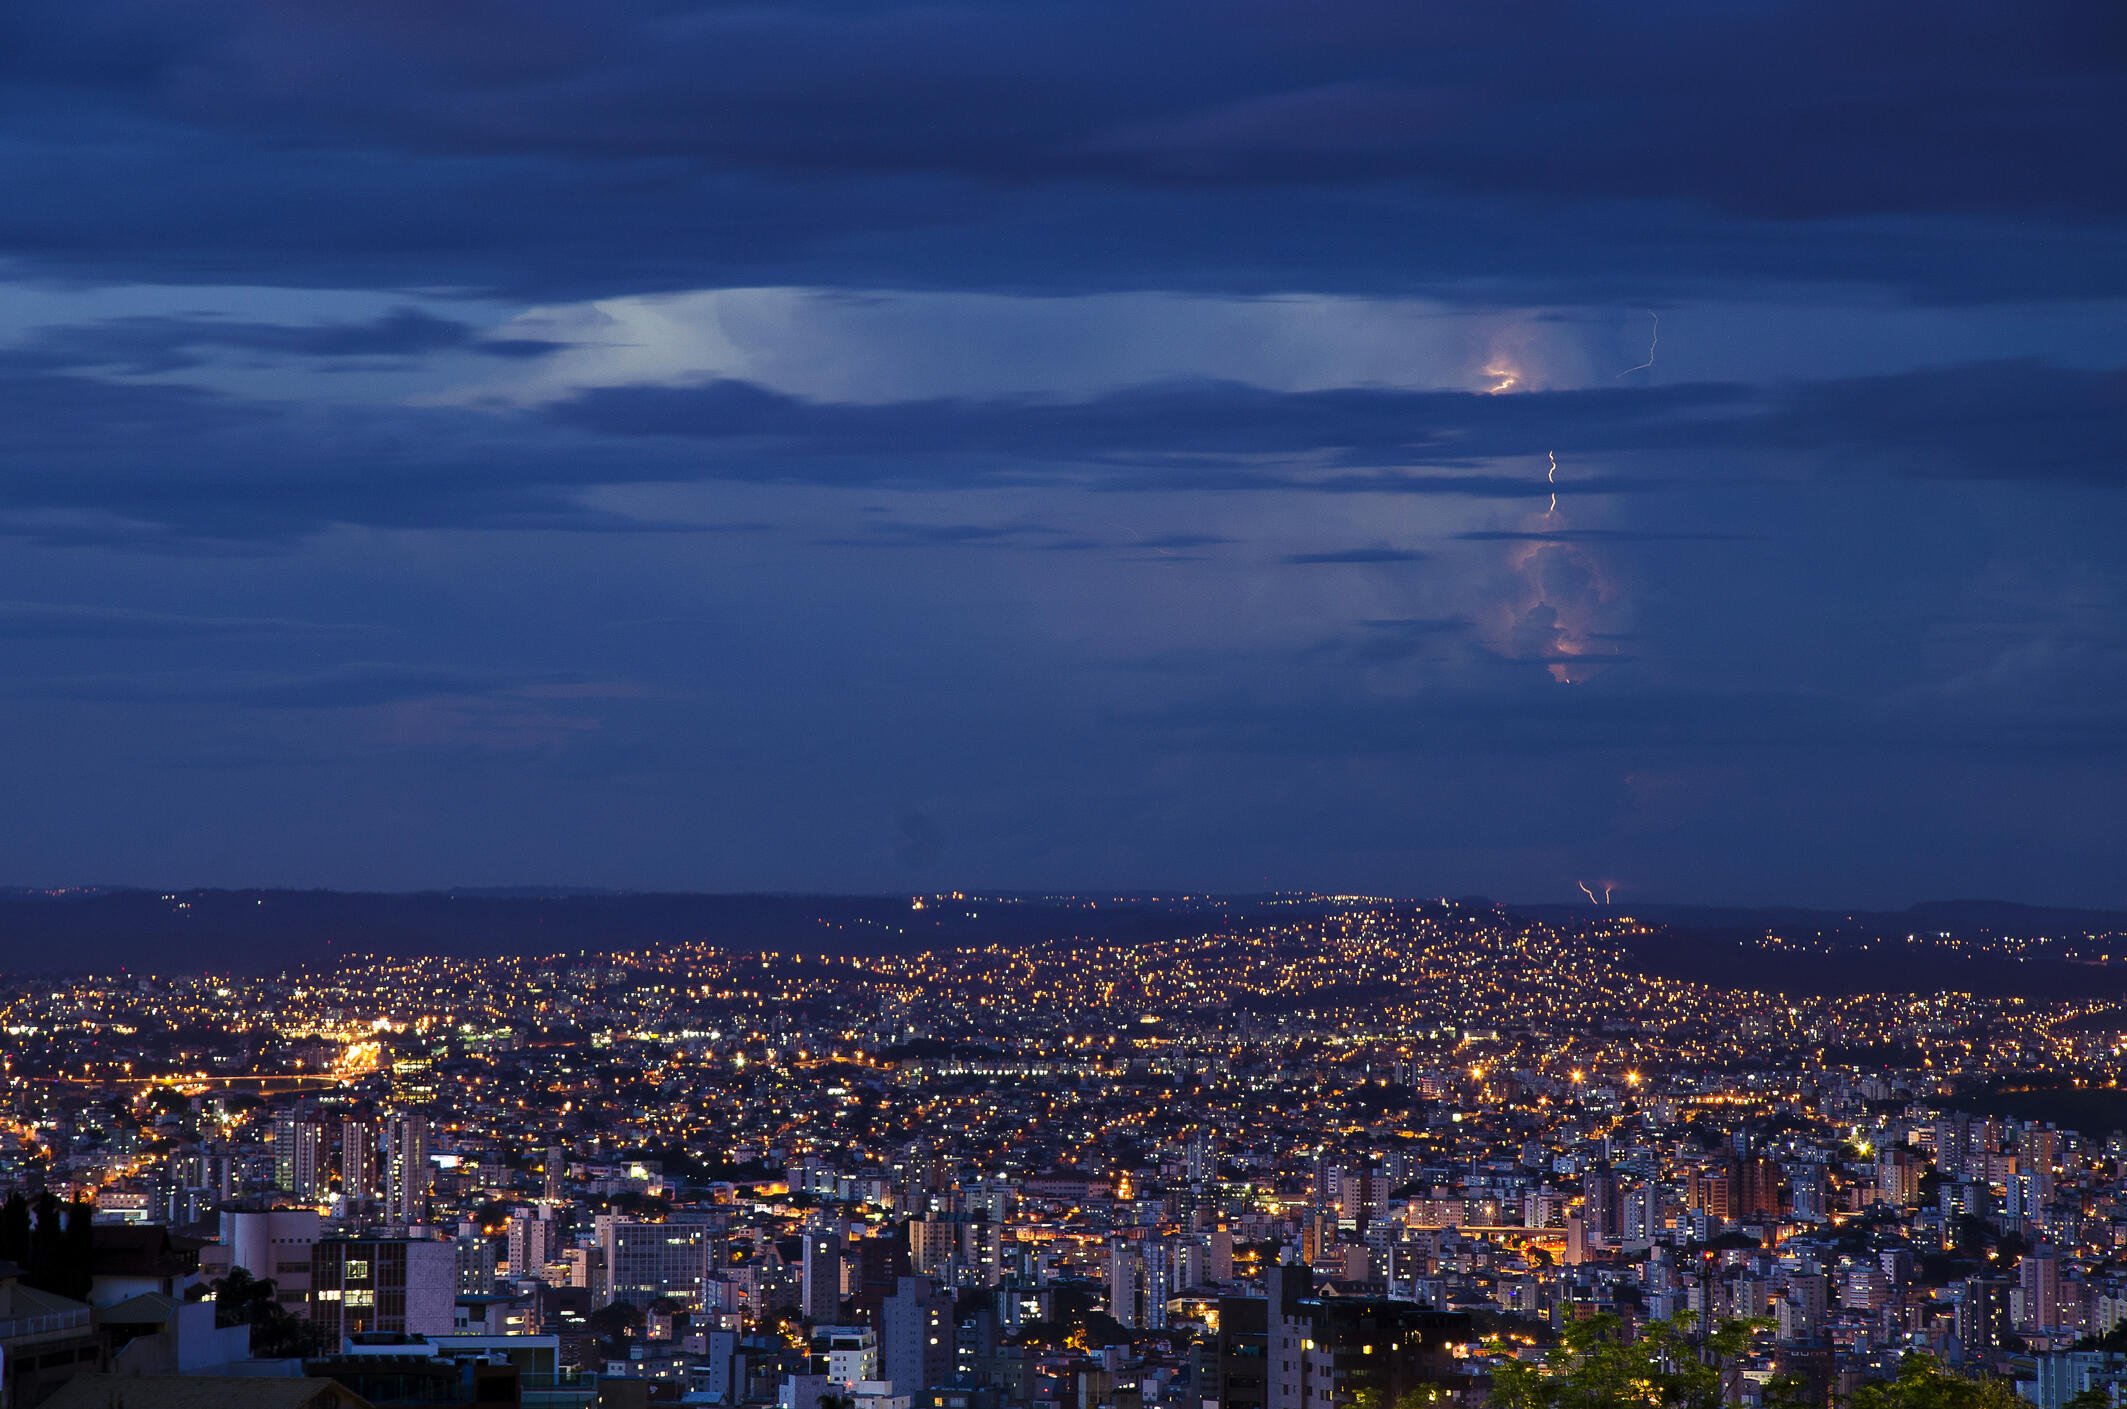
{"points": [[1430, 1152]]}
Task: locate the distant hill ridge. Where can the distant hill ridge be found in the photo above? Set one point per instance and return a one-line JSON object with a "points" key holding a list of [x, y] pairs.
{"points": [[261, 930], [252, 930]]}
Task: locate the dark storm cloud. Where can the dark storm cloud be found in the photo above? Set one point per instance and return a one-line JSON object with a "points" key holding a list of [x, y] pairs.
{"points": [[652, 145], [147, 344], [89, 459], [47, 413], [1180, 540], [1355, 557], [92, 461], [1176, 425], [1987, 109], [2012, 419], [2003, 420], [891, 534]]}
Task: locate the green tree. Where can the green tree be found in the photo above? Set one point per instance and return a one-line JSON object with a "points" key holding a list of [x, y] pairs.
{"points": [[1922, 1383], [1423, 1397], [1596, 1367]]}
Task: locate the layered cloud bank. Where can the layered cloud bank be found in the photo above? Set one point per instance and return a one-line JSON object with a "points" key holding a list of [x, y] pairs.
{"points": [[679, 445]]}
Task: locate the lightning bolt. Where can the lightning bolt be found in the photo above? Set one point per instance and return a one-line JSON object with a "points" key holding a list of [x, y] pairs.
{"points": [[1651, 345], [1606, 893], [1587, 892], [1551, 478]]}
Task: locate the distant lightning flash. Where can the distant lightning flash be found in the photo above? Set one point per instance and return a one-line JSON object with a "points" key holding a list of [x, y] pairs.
{"points": [[1587, 892], [1607, 888], [1652, 343], [1551, 478]]}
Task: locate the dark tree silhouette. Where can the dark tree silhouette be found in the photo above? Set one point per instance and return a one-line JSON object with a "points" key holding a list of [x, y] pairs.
{"points": [[241, 1299], [15, 1231], [59, 1249]]}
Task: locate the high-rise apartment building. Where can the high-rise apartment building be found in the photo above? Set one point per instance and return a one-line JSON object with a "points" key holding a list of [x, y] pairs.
{"points": [[1140, 1280], [553, 1167], [821, 1263], [916, 1336], [406, 1169], [359, 1172], [299, 1153], [531, 1241]]}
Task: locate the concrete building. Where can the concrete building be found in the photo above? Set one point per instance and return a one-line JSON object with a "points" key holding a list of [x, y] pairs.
{"points": [[847, 1355], [916, 1336], [274, 1245], [649, 1261], [399, 1285]]}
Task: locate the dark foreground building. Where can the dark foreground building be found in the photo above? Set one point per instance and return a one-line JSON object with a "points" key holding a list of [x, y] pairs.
{"points": [[1292, 1349]]}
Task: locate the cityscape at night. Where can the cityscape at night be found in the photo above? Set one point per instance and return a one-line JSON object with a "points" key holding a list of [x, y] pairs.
{"points": [[1063, 704], [1290, 1150]]}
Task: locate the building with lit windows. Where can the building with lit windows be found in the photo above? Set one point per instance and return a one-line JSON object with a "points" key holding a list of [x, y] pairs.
{"points": [[399, 1285]]}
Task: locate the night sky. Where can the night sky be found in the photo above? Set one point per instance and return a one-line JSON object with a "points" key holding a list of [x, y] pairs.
{"points": [[885, 446]]}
